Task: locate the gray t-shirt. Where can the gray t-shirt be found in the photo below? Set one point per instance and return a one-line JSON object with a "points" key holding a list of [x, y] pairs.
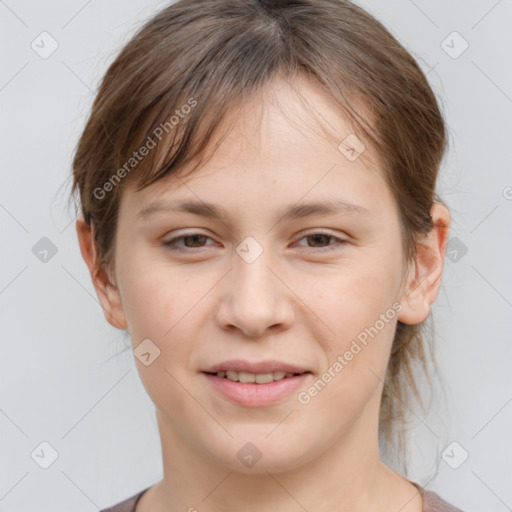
{"points": [[432, 502]]}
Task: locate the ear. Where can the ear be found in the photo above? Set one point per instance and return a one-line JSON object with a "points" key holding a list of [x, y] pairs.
{"points": [[107, 292], [424, 279]]}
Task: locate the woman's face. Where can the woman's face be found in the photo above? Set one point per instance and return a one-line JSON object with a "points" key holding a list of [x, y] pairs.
{"points": [[276, 280]]}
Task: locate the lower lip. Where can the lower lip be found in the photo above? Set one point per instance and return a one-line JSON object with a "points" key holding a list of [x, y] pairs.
{"points": [[256, 395]]}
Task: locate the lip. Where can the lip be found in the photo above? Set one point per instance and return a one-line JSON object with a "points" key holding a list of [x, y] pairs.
{"points": [[268, 366], [253, 394]]}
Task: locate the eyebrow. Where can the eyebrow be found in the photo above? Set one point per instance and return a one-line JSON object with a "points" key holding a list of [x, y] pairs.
{"points": [[290, 212]]}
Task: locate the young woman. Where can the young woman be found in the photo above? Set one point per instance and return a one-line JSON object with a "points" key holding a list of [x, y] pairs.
{"points": [[257, 184]]}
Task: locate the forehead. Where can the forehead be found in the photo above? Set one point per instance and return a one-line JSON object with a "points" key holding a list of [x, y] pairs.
{"points": [[287, 136]]}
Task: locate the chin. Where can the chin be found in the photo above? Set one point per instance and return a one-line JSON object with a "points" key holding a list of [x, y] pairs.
{"points": [[260, 455]]}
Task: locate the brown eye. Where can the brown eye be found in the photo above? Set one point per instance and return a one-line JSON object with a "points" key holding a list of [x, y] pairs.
{"points": [[191, 241], [321, 241]]}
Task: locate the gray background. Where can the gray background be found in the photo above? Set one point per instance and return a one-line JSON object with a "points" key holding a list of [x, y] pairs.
{"points": [[61, 381]]}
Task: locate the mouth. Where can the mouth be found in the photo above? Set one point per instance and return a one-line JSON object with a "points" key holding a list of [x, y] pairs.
{"points": [[256, 378], [256, 384]]}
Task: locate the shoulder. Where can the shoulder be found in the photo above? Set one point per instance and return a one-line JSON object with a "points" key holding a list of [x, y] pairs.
{"points": [[127, 505], [432, 502]]}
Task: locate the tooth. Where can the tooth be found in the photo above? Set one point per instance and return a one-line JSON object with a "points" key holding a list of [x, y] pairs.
{"points": [[232, 375], [263, 378], [246, 377], [259, 378]]}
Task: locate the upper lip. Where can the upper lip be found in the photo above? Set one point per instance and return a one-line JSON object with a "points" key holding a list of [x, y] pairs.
{"points": [[268, 366]]}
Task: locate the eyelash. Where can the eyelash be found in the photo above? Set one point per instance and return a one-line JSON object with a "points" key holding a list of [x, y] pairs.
{"points": [[169, 244]]}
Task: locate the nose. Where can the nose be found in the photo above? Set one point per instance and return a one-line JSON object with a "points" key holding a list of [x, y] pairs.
{"points": [[254, 298]]}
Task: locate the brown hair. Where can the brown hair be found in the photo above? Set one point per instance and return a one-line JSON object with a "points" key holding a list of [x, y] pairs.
{"points": [[197, 59]]}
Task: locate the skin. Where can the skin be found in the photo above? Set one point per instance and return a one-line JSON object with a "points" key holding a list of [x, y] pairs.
{"points": [[303, 300]]}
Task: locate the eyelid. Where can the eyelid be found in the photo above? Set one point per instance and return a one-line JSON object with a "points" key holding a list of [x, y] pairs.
{"points": [[180, 234]]}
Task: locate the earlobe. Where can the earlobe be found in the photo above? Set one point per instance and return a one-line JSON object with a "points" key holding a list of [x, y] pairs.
{"points": [[425, 276], [107, 293]]}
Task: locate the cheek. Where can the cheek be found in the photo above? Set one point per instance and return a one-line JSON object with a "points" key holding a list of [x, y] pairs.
{"points": [[163, 305], [356, 362], [156, 305], [154, 297], [357, 306], [353, 297]]}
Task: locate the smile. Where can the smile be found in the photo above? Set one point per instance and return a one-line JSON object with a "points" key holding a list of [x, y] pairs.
{"points": [[255, 389], [258, 378]]}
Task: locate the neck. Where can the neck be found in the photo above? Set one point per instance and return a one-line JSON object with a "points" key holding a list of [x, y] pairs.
{"points": [[347, 476]]}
